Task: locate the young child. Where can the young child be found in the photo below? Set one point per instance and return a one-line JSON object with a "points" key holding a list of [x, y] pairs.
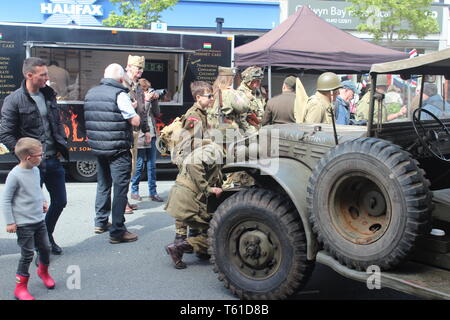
{"points": [[200, 176], [195, 124], [24, 207], [196, 118]]}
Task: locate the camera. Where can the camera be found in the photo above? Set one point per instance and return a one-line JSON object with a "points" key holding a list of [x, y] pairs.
{"points": [[160, 92]]}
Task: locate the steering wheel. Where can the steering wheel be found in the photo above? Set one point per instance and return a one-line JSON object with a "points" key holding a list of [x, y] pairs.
{"points": [[430, 138]]}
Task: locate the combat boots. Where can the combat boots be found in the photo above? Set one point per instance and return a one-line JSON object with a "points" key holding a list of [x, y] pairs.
{"points": [[42, 272], [181, 238], [176, 250], [21, 291]]}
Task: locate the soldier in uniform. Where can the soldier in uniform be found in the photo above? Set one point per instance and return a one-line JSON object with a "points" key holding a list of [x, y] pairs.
{"points": [[319, 105], [229, 104], [280, 109], [226, 98], [134, 69], [362, 108], [250, 87], [195, 122], [200, 176], [193, 125]]}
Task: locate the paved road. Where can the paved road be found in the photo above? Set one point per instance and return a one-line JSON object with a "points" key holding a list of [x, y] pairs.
{"points": [[140, 270]]}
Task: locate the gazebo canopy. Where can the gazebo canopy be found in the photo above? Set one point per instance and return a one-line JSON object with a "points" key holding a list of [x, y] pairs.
{"points": [[305, 41]]}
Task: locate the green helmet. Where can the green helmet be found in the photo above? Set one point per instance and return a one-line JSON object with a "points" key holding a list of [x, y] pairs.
{"points": [[328, 81], [252, 73]]}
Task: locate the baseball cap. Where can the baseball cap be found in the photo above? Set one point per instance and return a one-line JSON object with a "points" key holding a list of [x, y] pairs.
{"points": [[348, 84]]}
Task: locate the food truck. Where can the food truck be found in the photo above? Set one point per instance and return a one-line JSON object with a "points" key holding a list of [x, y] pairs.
{"points": [[172, 61]]}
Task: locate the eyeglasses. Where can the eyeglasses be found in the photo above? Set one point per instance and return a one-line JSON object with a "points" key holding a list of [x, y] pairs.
{"points": [[209, 96], [36, 155]]}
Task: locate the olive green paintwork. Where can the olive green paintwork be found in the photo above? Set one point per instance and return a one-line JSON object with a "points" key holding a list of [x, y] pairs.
{"points": [[297, 148]]}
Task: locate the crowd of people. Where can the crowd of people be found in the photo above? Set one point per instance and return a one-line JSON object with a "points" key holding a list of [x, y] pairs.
{"points": [[120, 122]]}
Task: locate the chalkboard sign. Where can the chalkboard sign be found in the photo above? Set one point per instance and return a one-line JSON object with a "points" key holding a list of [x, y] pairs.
{"points": [[202, 65], [11, 59]]}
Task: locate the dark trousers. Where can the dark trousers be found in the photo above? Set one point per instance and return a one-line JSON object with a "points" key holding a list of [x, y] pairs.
{"points": [[54, 178], [30, 237], [112, 173]]}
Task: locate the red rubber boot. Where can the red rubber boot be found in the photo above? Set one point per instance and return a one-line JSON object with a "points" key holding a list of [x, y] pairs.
{"points": [[21, 292], [42, 272]]}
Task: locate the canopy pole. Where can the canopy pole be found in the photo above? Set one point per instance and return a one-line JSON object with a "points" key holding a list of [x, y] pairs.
{"points": [[270, 82]]}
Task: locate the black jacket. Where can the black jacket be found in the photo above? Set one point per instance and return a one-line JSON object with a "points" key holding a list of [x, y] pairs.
{"points": [[21, 118], [108, 132]]}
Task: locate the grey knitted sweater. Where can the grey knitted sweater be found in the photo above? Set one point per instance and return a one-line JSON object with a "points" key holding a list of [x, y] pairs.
{"points": [[23, 199]]}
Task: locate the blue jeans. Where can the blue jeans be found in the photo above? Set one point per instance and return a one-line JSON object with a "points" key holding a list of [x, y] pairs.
{"points": [[148, 156], [112, 172], [54, 178]]}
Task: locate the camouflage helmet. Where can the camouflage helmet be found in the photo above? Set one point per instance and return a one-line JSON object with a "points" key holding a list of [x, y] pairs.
{"points": [[328, 81], [252, 73]]}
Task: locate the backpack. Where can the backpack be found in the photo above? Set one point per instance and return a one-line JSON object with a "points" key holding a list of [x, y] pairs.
{"points": [[169, 136]]}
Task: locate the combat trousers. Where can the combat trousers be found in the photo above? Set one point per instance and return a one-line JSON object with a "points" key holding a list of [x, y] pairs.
{"points": [[200, 241], [180, 228], [134, 152]]}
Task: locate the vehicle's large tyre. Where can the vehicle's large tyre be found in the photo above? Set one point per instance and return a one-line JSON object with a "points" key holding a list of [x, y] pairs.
{"points": [[258, 245], [83, 171], [368, 202]]}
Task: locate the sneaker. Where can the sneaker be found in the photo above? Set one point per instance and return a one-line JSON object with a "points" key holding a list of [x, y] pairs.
{"points": [[136, 196], [126, 237], [100, 230], [129, 210], [156, 198], [55, 249]]}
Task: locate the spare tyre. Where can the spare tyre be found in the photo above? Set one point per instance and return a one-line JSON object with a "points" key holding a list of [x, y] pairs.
{"points": [[368, 202]]}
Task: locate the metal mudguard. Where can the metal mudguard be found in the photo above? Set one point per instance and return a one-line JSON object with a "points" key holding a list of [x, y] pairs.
{"points": [[292, 176]]}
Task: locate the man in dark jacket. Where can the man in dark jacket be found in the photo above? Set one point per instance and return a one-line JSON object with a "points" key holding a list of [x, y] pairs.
{"points": [[109, 116], [31, 111], [280, 109]]}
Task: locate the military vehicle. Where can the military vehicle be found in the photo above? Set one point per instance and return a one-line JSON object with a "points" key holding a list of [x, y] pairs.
{"points": [[355, 198]]}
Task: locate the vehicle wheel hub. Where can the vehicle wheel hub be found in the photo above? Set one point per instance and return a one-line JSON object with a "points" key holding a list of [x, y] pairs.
{"points": [[87, 168], [255, 249], [359, 209]]}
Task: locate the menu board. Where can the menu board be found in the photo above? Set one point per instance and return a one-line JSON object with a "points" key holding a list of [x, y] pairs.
{"points": [[10, 78], [210, 53], [204, 64]]}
